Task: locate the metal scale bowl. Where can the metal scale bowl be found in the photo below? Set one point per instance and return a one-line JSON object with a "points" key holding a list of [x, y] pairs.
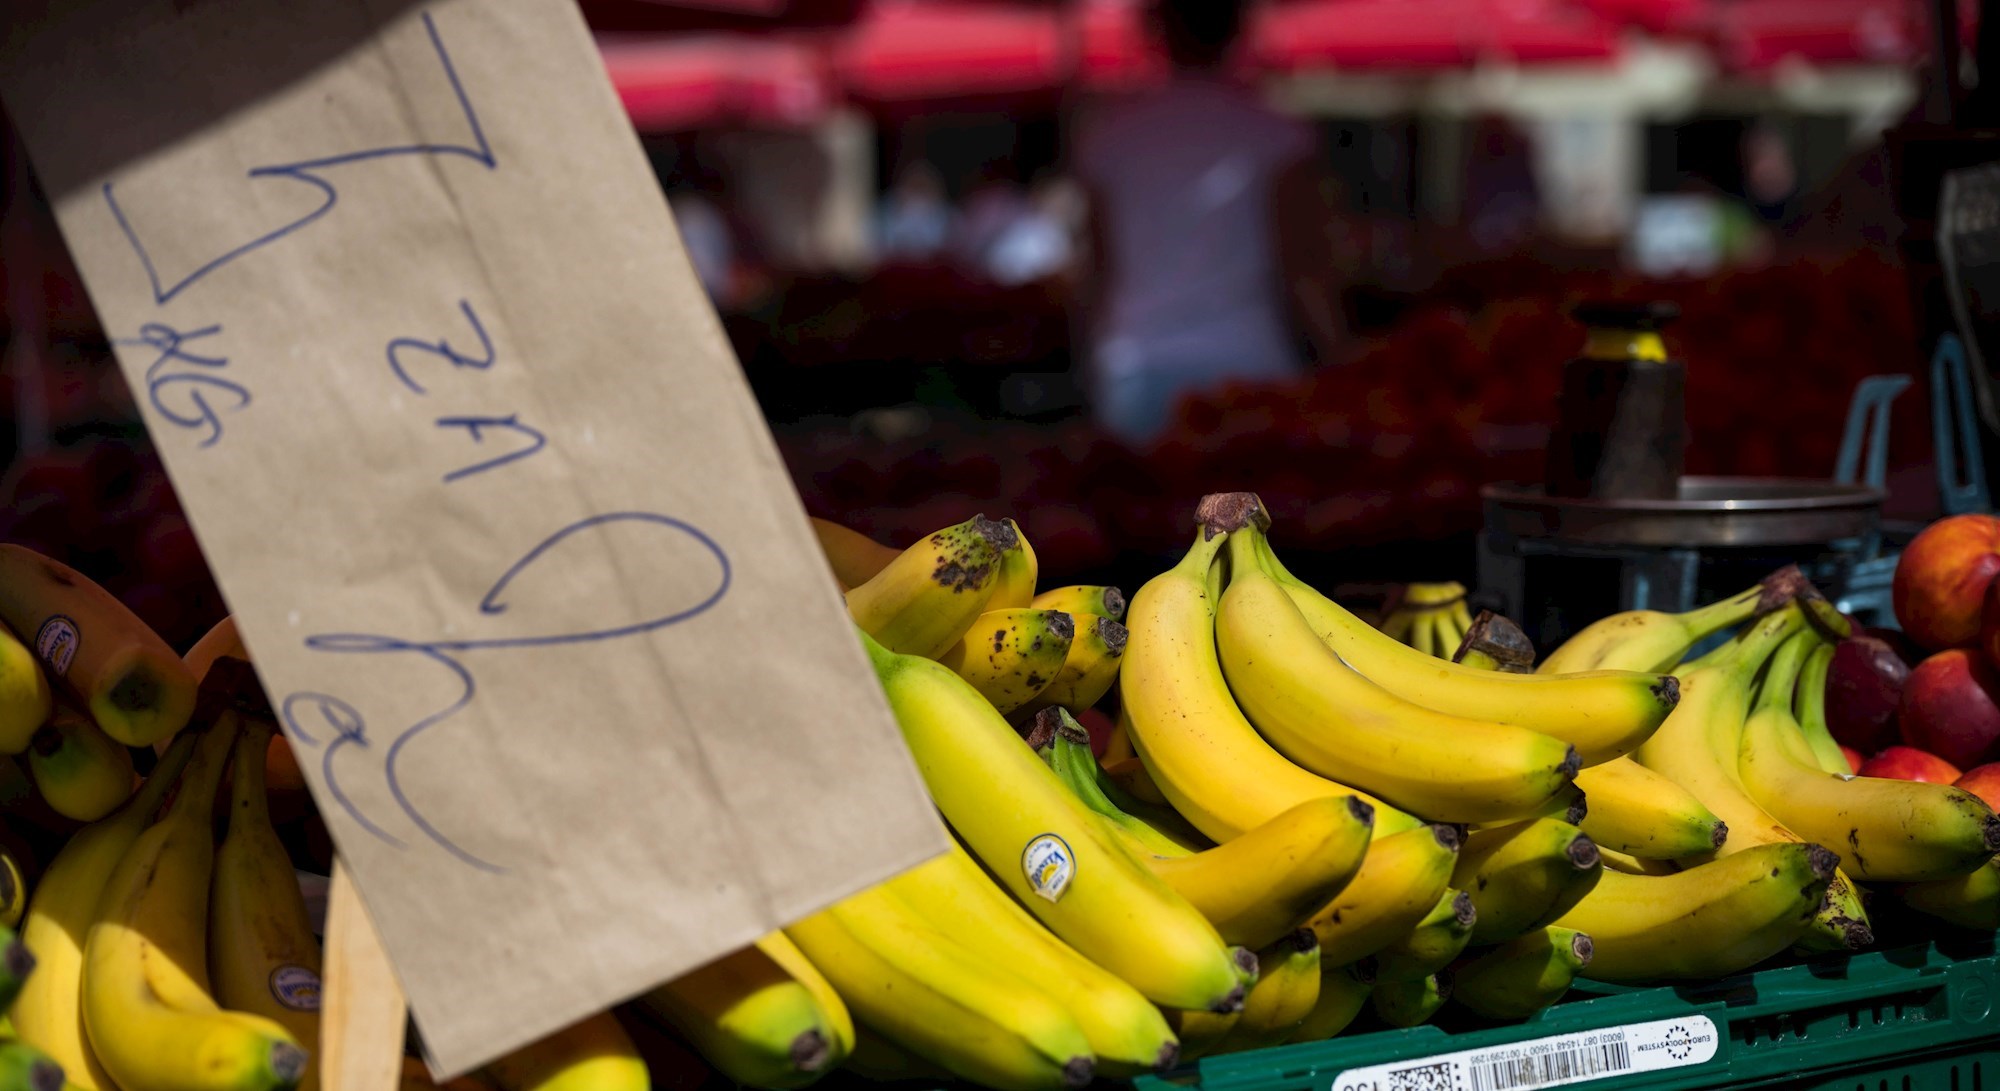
{"points": [[1658, 545]]}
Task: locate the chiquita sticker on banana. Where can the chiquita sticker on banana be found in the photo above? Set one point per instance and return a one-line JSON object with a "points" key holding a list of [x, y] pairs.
{"points": [[296, 987], [1049, 866], [56, 642]]}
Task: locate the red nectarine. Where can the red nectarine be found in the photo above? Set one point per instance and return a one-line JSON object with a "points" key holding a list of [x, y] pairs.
{"points": [[1984, 782], [1951, 707], [1909, 763], [1941, 578]]}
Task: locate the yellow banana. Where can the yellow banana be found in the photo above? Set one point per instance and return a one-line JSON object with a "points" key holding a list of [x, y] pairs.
{"points": [[1406, 1003], [1522, 877], [1971, 900], [908, 982], [1710, 921], [1014, 589], [1342, 995], [1652, 640], [1335, 722], [839, 1021], [24, 693], [262, 955], [1046, 847], [146, 1005], [1900, 831], [100, 653], [1010, 656], [1200, 1033], [1181, 720], [1522, 976], [854, 557], [1275, 878], [1400, 881], [1285, 992], [1602, 713], [1809, 709], [1127, 1034], [926, 599], [1083, 598], [1089, 670], [82, 772], [48, 1013], [1431, 945], [1698, 746], [747, 1015], [221, 641], [593, 1054], [1637, 811]]}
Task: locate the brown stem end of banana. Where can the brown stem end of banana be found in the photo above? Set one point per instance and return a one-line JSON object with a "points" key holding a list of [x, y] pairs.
{"points": [[1228, 512]]}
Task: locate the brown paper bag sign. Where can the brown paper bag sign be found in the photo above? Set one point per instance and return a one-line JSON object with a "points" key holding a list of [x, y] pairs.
{"points": [[518, 563]]}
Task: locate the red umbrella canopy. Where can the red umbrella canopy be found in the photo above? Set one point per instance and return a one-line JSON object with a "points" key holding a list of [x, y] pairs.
{"points": [[1422, 34], [686, 82], [909, 50]]}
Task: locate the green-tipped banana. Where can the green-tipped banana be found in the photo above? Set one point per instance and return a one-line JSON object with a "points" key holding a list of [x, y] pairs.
{"points": [[1710, 921], [1523, 975], [1650, 640], [1431, 945], [1011, 656], [1522, 877], [1408, 1003], [1699, 747], [82, 772], [752, 1019], [929, 596], [25, 1068], [1066, 747], [1809, 707]]}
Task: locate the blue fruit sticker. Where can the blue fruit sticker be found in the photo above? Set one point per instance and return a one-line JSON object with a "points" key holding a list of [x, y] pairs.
{"points": [[296, 988], [1049, 866], [56, 642]]}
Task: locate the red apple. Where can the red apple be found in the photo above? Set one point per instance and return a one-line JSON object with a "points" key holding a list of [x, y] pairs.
{"points": [[1950, 708], [1909, 763], [1984, 782], [1864, 688], [1853, 757], [1898, 642], [1941, 579]]}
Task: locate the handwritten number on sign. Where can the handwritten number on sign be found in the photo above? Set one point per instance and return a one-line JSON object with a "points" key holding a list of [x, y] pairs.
{"points": [[309, 173], [475, 428], [442, 348], [170, 343], [305, 714]]}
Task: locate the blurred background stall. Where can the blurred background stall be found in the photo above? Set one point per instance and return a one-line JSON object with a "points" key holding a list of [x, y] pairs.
{"points": [[1083, 260]]}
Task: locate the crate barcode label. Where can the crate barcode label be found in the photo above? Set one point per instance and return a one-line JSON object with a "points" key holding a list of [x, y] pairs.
{"points": [[1554, 1061]]}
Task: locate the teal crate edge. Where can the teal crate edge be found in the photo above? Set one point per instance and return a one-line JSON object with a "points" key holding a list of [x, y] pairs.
{"points": [[1964, 990]]}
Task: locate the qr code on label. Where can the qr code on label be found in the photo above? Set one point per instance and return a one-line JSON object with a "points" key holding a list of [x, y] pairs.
{"points": [[1430, 1077]]}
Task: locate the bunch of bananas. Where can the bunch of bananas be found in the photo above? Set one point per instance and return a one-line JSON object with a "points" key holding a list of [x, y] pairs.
{"points": [[1431, 617]]}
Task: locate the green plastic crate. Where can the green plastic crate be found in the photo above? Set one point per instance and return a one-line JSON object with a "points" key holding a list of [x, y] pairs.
{"points": [[1906, 1019]]}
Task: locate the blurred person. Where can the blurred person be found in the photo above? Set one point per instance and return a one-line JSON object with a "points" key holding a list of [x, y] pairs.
{"points": [[915, 218], [994, 204], [1503, 203], [1211, 231]]}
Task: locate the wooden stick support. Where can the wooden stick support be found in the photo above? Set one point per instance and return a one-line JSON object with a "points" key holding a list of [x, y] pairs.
{"points": [[363, 1010]]}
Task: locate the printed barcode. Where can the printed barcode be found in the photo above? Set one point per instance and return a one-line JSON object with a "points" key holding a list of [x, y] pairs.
{"points": [[1540, 1071]]}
